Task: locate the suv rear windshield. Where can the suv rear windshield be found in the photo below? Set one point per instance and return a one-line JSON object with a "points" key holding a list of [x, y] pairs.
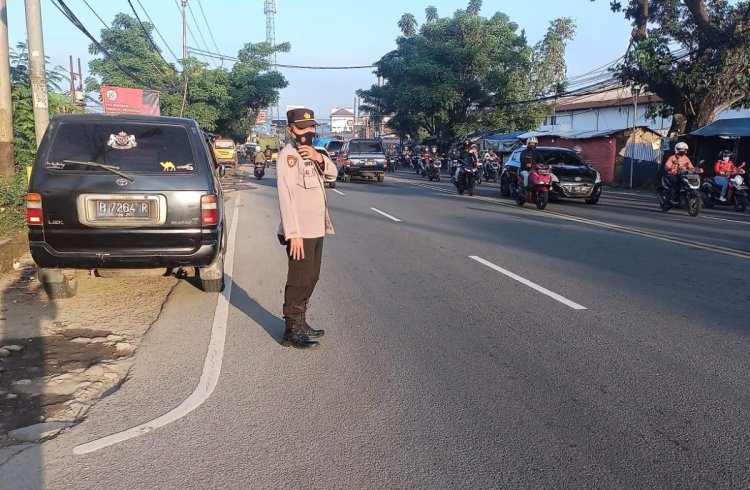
{"points": [[365, 146], [334, 145], [224, 144], [131, 148]]}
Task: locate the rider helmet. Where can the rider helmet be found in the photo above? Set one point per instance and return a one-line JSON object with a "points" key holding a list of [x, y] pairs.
{"points": [[532, 141], [726, 155], [578, 149], [681, 147]]}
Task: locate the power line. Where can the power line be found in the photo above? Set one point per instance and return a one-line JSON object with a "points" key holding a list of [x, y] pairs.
{"points": [[157, 31], [200, 33], [200, 5], [279, 65], [97, 15], [189, 29], [68, 14], [148, 36]]}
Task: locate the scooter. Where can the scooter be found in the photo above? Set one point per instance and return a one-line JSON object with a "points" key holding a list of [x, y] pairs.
{"points": [[260, 170], [466, 179], [433, 169], [736, 193], [491, 170], [540, 182], [688, 194]]}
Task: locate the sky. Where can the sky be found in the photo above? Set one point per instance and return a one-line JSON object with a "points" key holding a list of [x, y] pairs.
{"points": [[322, 33]]}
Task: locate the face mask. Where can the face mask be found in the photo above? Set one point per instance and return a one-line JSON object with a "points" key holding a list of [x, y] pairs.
{"points": [[303, 139], [726, 159]]}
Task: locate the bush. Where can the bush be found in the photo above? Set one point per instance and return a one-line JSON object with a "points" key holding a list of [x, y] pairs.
{"points": [[12, 202]]}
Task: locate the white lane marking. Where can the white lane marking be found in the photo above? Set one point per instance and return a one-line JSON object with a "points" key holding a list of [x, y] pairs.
{"points": [[211, 366], [386, 215], [530, 284], [338, 192], [726, 219]]}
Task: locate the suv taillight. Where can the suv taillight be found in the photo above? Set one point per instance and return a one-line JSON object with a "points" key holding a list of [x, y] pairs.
{"points": [[34, 215], [209, 210]]}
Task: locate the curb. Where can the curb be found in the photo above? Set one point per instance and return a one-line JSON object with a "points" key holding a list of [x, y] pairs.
{"points": [[12, 248]]}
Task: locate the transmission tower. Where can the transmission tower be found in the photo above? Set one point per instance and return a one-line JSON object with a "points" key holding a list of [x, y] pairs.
{"points": [[269, 8]]}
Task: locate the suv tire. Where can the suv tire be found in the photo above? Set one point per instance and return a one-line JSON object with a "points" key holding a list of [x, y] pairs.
{"points": [[381, 178], [212, 285]]}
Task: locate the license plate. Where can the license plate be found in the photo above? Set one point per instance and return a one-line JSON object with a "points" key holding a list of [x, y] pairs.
{"points": [[369, 162], [123, 209]]}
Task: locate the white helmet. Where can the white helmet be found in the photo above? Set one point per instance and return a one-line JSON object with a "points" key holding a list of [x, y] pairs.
{"points": [[578, 149], [681, 146], [532, 140]]}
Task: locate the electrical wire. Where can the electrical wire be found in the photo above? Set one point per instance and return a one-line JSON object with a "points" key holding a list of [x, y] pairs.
{"points": [[189, 29], [279, 65], [211, 34], [200, 33], [157, 31], [68, 14], [148, 36], [96, 14]]}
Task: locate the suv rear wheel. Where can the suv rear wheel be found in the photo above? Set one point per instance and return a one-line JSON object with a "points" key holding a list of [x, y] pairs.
{"points": [[212, 277]]}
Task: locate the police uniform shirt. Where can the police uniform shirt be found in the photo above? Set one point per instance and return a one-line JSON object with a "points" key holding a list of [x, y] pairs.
{"points": [[302, 199]]}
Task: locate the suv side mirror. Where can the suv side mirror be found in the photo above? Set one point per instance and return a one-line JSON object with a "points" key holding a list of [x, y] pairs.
{"points": [[222, 170]]}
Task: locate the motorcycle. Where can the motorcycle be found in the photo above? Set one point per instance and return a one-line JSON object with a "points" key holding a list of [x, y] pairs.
{"points": [[452, 166], [491, 170], [392, 163], [260, 170], [688, 194], [433, 168], [540, 182], [466, 179], [736, 193]]}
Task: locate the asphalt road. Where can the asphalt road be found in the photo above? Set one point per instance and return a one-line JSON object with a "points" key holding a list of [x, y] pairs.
{"points": [[458, 353]]}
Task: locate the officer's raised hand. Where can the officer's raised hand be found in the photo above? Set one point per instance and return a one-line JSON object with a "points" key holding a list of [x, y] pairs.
{"points": [[310, 153]]}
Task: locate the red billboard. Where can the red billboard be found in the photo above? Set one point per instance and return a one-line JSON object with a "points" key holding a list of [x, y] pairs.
{"points": [[118, 100]]}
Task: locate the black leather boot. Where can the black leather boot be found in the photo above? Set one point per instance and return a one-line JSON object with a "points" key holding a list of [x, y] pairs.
{"points": [[309, 331], [294, 335]]}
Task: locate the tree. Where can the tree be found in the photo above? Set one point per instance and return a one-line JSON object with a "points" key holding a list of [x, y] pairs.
{"points": [[408, 25], [431, 13], [474, 7], [223, 101], [708, 74], [466, 72]]}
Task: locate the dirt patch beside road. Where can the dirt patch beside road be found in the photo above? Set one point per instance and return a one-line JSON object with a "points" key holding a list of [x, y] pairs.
{"points": [[57, 358]]}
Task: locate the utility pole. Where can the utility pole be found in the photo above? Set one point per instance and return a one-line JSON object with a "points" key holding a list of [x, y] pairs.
{"points": [[37, 68], [184, 34], [6, 117], [72, 82], [635, 90]]}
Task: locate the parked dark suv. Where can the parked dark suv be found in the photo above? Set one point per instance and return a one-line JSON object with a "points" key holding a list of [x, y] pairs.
{"points": [[362, 158], [125, 192], [572, 177]]}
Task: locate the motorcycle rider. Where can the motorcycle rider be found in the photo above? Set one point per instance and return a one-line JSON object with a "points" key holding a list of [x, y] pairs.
{"points": [[529, 157], [676, 163], [578, 150], [724, 169], [469, 159], [268, 153]]}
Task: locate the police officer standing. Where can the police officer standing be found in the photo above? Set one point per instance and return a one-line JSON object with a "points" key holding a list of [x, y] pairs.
{"points": [[301, 172]]}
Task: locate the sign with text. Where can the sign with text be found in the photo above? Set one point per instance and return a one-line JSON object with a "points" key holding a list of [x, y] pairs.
{"points": [[119, 100]]}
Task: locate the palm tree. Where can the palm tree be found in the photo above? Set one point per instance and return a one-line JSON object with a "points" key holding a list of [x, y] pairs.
{"points": [[408, 25], [431, 13], [474, 7]]}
